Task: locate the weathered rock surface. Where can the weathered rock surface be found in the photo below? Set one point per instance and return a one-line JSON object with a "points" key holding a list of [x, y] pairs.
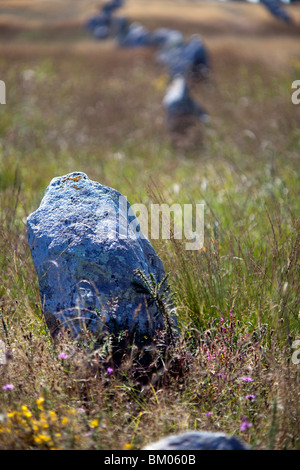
{"points": [[198, 440], [86, 246]]}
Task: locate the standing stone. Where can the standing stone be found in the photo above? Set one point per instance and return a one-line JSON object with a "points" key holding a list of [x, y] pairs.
{"points": [[198, 440], [185, 118], [86, 246]]}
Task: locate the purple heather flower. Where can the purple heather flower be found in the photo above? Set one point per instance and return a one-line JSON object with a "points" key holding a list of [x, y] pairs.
{"points": [[109, 370], [247, 379], [245, 425], [8, 387], [208, 414], [250, 397], [63, 356]]}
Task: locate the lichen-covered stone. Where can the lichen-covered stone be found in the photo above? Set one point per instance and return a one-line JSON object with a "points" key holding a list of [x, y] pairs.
{"points": [[198, 440], [86, 246]]}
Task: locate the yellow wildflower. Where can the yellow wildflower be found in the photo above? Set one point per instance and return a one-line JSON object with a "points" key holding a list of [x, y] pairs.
{"points": [[34, 426], [26, 411], [44, 420], [40, 402], [53, 416], [127, 446], [94, 423], [42, 438], [64, 420]]}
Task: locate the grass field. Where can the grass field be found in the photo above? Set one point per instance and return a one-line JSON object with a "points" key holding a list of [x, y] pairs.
{"points": [[74, 104]]}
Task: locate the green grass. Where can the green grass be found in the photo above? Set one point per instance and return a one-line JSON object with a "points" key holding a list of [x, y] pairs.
{"points": [[74, 107]]}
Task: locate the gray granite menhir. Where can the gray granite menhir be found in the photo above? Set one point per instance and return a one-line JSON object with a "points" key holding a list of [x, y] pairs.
{"points": [[86, 246]]}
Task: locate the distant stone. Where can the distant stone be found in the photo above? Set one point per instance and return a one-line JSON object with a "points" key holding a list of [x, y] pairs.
{"points": [[97, 23], [117, 25], [198, 440], [134, 35], [101, 32], [189, 59], [276, 8], [193, 60], [109, 7], [182, 110], [86, 246], [105, 25], [166, 38]]}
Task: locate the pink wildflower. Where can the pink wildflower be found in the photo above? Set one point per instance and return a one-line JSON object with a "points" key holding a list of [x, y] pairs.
{"points": [[247, 379], [8, 387], [245, 425], [63, 356], [250, 397]]}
